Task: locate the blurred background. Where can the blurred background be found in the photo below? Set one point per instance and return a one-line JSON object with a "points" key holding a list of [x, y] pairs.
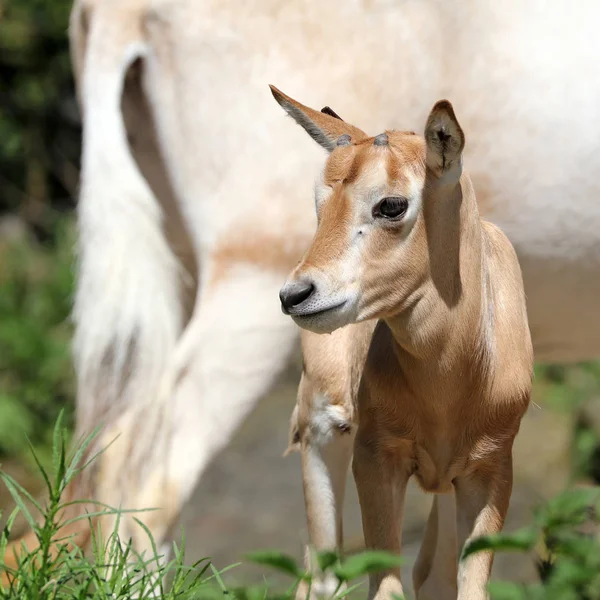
{"points": [[251, 497]]}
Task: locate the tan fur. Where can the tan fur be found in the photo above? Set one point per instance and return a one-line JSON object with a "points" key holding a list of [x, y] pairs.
{"points": [[448, 372], [243, 246], [332, 371]]}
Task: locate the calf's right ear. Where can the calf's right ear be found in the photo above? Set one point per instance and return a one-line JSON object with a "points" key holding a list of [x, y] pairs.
{"points": [[445, 140]]}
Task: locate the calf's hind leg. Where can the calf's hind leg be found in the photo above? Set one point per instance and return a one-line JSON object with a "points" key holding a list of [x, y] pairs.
{"points": [[482, 499], [435, 572]]}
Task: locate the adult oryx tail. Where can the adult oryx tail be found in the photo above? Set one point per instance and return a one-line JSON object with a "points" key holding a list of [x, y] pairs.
{"points": [[127, 312]]}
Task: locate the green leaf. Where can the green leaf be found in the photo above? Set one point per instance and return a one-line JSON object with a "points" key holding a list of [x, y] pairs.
{"points": [[6, 532], [58, 451], [522, 540], [14, 488], [218, 577], [568, 509], [570, 572], [369, 561], [75, 465], [40, 466], [326, 559], [504, 590], [276, 560], [349, 590]]}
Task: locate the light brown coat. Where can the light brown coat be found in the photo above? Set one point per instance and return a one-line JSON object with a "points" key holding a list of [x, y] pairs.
{"points": [[447, 376]]}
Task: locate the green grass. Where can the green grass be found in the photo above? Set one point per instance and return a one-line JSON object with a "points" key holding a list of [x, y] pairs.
{"points": [[112, 570], [36, 372], [59, 570], [563, 532]]}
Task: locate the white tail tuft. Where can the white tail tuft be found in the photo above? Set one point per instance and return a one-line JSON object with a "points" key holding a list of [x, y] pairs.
{"points": [[128, 310]]}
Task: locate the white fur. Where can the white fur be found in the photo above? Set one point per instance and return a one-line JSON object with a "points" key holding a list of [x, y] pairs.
{"points": [[216, 393], [128, 311], [326, 420], [325, 464]]}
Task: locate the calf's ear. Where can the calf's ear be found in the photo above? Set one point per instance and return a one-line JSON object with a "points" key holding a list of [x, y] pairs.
{"points": [[325, 127]]}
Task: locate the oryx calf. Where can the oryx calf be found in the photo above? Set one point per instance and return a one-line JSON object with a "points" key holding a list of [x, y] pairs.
{"points": [[447, 376]]}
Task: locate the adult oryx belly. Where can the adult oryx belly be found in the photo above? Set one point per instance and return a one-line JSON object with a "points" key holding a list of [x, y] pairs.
{"points": [[545, 197]]}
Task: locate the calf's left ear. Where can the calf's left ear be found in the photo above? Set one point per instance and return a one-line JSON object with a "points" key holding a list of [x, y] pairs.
{"points": [[325, 126], [445, 141]]}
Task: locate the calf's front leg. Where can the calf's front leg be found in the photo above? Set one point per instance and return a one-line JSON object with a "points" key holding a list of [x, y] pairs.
{"points": [[381, 485], [324, 433], [482, 499], [324, 470]]}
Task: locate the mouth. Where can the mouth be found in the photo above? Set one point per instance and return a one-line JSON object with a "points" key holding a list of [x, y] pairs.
{"points": [[316, 313]]}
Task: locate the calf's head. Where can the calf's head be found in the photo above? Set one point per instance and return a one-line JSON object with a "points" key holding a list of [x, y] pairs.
{"points": [[369, 256]]}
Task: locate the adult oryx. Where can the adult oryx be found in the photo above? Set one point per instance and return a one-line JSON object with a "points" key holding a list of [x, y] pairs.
{"points": [[196, 202]]}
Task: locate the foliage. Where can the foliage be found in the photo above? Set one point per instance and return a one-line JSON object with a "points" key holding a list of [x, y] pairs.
{"points": [[575, 389], [114, 571], [39, 157], [36, 376], [39, 123], [344, 569], [567, 529]]}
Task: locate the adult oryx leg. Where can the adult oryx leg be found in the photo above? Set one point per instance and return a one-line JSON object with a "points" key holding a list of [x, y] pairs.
{"points": [[233, 348], [482, 500]]}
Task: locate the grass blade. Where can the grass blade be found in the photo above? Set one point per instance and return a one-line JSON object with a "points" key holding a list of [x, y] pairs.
{"points": [[219, 578], [13, 486], [40, 466], [349, 590], [10, 481], [58, 452], [75, 460]]}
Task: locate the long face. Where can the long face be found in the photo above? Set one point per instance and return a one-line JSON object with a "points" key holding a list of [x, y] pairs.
{"points": [[367, 254], [369, 257]]}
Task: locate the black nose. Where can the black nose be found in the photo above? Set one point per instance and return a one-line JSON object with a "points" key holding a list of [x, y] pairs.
{"points": [[294, 294]]}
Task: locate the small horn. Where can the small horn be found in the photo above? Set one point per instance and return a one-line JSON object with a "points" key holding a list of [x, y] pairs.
{"points": [[328, 111], [381, 140], [344, 140]]}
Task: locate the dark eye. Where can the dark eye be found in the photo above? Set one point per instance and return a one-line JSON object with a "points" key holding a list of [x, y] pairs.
{"points": [[391, 208]]}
